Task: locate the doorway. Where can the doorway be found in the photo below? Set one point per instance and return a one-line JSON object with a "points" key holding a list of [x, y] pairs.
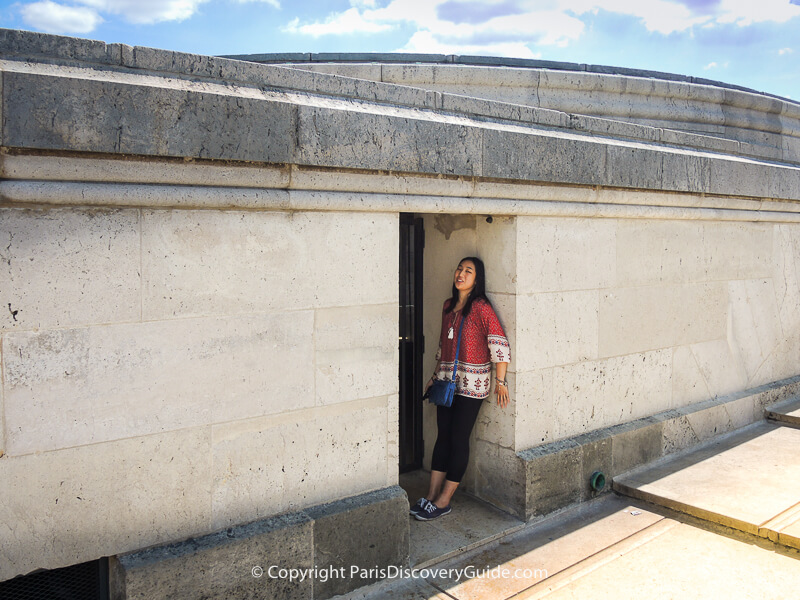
{"points": [[412, 342]]}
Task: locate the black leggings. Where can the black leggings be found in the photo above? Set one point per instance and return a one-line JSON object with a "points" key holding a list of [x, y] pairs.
{"points": [[451, 452]]}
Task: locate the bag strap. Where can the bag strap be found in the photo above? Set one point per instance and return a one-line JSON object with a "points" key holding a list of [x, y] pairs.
{"points": [[458, 347]]}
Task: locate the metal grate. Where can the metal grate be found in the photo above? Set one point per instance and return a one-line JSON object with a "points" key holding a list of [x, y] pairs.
{"points": [[86, 581]]}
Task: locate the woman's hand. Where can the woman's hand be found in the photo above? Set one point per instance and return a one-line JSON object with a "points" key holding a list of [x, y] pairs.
{"points": [[502, 394], [501, 389]]}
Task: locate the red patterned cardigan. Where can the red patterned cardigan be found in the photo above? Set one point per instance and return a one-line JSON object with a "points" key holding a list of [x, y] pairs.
{"points": [[482, 343]]}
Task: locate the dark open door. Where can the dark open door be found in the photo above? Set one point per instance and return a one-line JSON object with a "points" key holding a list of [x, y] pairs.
{"points": [[412, 242]]}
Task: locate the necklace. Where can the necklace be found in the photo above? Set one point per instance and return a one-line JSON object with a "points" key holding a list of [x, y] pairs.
{"points": [[450, 331]]}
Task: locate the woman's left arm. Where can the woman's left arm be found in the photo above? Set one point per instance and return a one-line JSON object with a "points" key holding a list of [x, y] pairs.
{"points": [[501, 389]]}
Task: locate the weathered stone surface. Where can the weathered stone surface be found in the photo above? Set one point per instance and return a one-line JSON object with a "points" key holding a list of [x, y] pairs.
{"points": [[557, 255], [652, 252], [368, 531], [533, 399], [69, 267], [366, 140], [355, 352], [553, 477], [58, 113], [207, 262], [514, 153], [287, 462], [34, 44], [686, 314], [63, 508], [636, 445], [240, 562], [126, 380], [556, 329], [498, 477], [594, 394]]}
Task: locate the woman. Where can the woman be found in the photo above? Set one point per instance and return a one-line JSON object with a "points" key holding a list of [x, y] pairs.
{"points": [[483, 342]]}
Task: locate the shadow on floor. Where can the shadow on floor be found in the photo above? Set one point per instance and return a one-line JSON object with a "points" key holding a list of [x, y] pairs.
{"points": [[472, 523]]}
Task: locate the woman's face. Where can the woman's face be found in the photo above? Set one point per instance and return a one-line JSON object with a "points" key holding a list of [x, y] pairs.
{"points": [[464, 278]]}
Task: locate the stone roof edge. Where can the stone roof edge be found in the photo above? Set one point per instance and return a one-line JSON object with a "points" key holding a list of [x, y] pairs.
{"points": [[489, 61]]}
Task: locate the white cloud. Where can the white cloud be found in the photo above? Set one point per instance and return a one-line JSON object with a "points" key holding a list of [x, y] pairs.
{"points": [[747, 12], [425, 42], [350, 21], [83, 16], [55, 18], [274, 3], [656, 15], [783, 51], [711, 65], [147, 11], [510, 27]]}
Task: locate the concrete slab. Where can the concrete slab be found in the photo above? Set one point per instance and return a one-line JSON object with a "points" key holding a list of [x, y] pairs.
{"points": [[549, 547], [787, 412], [745, 480], [681, 562], [471, 523]]}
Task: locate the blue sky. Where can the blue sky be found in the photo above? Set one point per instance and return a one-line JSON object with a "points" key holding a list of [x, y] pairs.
{"points": [[754, 43]]}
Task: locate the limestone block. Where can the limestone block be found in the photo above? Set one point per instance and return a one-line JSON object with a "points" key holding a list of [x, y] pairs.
{"points": [[68, 267], [634, 166], [684, 314], [516, 153], [60, 113], [496, 424], [553, 477], [636, 445], [534, 423], [338, 456], [722, 370], [497, 248], [653, 252], [366, 531], [499, 477], [785, 275], [754, 322], [71, 387], [556, 329], [29, 43], [221, 565], [688, 384], [63, 508], [362, 140], [72, 168], [595, 394], [355, 352], [505, 307], [228, 262], [271, 465], [561, 254]]}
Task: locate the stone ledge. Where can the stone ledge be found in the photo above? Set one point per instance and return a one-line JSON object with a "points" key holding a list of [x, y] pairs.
{"points": [[369, 531], [557, 474], [22, 45], [125, 118]]}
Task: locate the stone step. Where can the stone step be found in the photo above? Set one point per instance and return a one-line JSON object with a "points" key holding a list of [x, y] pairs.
{"points": [[786, 412], [748, 480]]}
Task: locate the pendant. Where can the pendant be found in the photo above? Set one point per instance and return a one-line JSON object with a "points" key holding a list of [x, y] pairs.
{"points": [[450, 334]]}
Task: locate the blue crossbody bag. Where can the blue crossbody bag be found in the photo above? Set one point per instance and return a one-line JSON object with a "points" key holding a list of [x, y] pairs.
{"points": [[442, 391]]}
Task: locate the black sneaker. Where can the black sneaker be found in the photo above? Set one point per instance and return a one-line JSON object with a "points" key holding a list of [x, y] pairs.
{"points": [[431, 511], [419, 506]]}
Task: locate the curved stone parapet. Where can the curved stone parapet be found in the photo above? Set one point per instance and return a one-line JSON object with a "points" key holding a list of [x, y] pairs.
{"points": [[769, 123]]}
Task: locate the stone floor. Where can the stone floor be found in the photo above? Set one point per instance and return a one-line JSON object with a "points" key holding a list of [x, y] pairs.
{"points": [[718, 520]]}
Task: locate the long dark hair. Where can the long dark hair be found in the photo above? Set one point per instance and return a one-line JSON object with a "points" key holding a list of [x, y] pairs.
{"points": [[478, 291]]}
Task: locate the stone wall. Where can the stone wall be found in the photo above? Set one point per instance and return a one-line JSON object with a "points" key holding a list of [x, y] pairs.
{"points": [[199, 265], [190, 370]]}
